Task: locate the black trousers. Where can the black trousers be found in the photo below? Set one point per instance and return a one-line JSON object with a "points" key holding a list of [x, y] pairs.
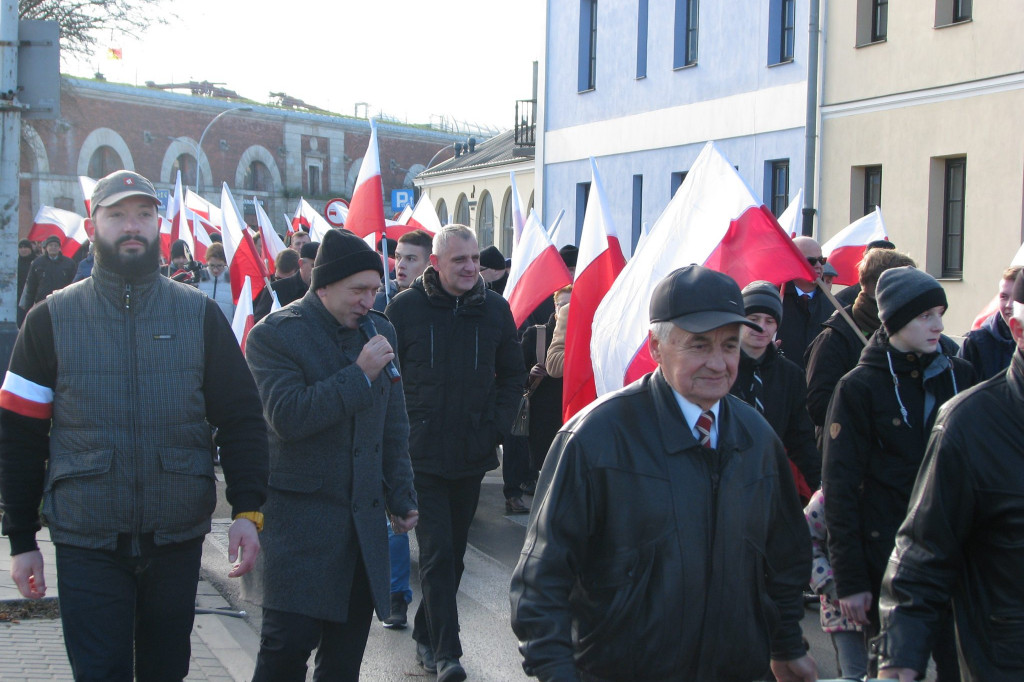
{"points": [[117, 610], [515, 465], [446, 511], [287, 639]]}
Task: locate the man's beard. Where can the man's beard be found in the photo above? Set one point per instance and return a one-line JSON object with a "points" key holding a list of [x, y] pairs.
{"points": [[127, 265]]}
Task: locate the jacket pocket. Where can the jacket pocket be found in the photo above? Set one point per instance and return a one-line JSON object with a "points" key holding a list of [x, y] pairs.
{"points": [[1007, 637], [186, 489], [79, 496]]}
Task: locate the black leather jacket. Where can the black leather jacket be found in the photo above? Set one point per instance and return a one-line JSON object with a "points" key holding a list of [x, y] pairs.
{"points": [[651, 558], [964, 538]]}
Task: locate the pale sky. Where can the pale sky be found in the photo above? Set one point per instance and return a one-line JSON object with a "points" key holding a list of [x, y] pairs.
{"points": [[410, 59]]}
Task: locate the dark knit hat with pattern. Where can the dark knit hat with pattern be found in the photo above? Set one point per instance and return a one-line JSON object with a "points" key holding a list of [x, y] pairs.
{"points": [[762, 297], [903, 294], [342, 254]]}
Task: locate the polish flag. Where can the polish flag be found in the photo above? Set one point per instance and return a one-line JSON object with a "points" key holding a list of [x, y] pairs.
{"points": [[845, 250], [518, 214], [240, 250], [212, 218], [599, 263], [199, 233], [244, 318], [403, 216], [175, 226], [309, 218], [67, 226], [88, 185], [993, 305], [715, 220], [791, 221], [424, 217], [537, 271], [270, 241], [366, 209]]}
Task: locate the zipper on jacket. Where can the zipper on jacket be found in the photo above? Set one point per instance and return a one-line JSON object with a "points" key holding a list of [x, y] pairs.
{"points": [[136, 461], [431, 345]]}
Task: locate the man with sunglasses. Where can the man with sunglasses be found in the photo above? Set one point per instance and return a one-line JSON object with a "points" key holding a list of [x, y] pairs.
{"points": [[804, 307]]}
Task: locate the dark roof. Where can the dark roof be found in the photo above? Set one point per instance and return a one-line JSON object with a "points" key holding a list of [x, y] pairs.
{"points": [[496, 151]]}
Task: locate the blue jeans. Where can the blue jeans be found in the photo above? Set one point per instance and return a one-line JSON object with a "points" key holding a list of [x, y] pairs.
{"points": [[398, 547], [117, 609]]}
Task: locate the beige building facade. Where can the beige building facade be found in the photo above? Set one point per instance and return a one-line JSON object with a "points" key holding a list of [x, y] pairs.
{"points": [[922, 112]]}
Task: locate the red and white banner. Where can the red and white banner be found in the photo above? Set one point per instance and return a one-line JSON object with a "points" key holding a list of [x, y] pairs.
{"points": [[366, 209], [175, 226], [791, 221], [240, 250], [270, 241], [244, 318], [715, 220], [845, 250], [88, 185], [310, 219], [212, 218], [599, 263], [537, 271], [67, 226], [424, 217]]}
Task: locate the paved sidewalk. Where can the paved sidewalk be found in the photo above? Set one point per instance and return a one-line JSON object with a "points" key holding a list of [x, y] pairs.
{"points": [[223, 648]]}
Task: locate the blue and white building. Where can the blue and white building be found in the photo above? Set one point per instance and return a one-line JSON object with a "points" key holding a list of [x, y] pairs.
{"points": [[641, 85]]}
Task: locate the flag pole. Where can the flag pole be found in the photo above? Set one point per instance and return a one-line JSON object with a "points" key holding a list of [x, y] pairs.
{"points": [[384, 258], [842, 311]]}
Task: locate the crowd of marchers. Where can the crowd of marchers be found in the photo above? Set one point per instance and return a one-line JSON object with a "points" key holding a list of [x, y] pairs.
{"points": [[788, 442]]}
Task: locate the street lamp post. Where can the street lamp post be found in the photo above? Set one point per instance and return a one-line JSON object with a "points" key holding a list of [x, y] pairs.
{"points": [[199, 150]]}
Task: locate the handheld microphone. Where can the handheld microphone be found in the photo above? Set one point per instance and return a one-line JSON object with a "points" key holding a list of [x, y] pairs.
{"points": [[369, 330]]}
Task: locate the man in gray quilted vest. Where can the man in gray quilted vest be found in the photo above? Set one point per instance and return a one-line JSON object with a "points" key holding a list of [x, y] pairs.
{"points": [[105, 415]]}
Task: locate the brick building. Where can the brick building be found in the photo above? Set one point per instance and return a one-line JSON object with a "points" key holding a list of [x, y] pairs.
{"points": [[275, 154]]}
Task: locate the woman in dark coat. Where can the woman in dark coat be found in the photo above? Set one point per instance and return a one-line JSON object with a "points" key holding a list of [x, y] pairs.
{"points": [[876, 432]]}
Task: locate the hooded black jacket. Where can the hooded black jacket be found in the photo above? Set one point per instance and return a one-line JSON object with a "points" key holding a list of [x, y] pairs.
{"points": [[962, 538], [463, 374], [873, 449]]}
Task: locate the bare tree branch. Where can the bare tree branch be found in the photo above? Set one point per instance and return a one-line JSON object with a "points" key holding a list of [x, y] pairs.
{"points": [[81, 20]]}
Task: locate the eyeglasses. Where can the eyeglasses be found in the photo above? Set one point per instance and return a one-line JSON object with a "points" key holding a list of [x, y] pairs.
{"points": [[815, 261]]}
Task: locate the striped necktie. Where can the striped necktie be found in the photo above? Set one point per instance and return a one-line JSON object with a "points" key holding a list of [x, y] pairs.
{"points": [[757, 390], [704, 424]]}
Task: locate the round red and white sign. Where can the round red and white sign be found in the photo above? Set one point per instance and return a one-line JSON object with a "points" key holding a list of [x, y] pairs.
{"points": [[336, 211]]}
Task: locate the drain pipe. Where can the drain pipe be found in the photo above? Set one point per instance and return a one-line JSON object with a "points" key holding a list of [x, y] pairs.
{"points": [[811, 123]]}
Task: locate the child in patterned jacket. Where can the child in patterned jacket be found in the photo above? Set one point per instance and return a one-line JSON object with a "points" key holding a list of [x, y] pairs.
{"points": [[847, 638]]}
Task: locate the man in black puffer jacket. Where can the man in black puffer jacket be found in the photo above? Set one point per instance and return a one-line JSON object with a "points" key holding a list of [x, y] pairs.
{"points": [[463, 374]]}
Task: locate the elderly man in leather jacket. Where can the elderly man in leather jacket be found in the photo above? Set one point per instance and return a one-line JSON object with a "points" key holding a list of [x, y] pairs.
{"points": [[667, 541], [961, 537]]}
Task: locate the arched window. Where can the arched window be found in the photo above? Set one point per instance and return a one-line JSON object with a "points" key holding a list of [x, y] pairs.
{"points": [[462, 210], [442, 212], [485, 220], [505, 244], [257, 178], [104, 161], [186, 163]]}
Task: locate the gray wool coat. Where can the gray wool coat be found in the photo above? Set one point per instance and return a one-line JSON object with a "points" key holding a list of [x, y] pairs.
{"points": [[338, 459]]}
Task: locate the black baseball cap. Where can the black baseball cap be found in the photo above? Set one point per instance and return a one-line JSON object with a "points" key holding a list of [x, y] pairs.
{"points": [[121, 185], [697, 300]]}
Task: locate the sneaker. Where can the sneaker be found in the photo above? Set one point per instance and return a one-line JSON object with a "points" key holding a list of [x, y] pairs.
{"points": [[514, 505], [399, 610], [425, 657], [450, 670]]}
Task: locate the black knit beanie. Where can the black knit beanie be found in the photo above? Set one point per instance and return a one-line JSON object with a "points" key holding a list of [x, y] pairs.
{"points": [[762, 297], [340, 255], [903, 294]]}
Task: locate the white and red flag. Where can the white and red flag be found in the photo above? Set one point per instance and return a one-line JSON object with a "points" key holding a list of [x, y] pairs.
{"points": [[366, 209], [845, 250], [175, 225], [88, 185], [424, 217], [67, 226], [244, 318], [270, 241], [518, 213], [792, 219], [210, 215], [403, 216], [537, 271], [308, 218], [26, 397], [240, 250], [715, 220], [599, 263]]}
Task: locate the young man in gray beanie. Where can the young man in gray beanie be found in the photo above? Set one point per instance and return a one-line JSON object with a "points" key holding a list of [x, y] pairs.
{"points": [[775, 386], [339, 455], [876, 431]]}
